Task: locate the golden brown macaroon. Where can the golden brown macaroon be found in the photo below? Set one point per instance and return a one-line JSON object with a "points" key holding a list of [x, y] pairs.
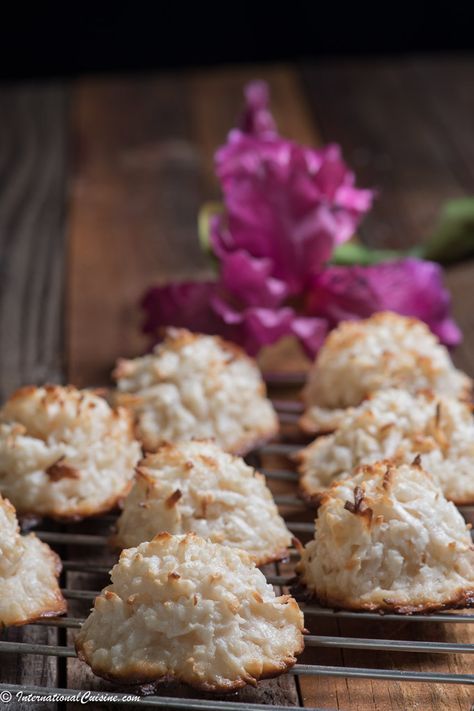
{"points": [[29, 572], [384, 351], [387, 539], [64, 452], [196, 486], [393, 424], [196, 386], [183, 608]]}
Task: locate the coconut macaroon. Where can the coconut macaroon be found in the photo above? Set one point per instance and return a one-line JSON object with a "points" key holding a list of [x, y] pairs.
{"points": [[29, 572], [64, 452], [196, 386], [195, 486], [386, 350], [387, 539], [393, 424], [183, 608]]}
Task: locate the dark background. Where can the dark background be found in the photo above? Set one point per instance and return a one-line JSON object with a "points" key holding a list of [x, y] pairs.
{"points": [[45, 40]]}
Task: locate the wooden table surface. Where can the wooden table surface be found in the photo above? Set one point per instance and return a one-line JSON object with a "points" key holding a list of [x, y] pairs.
{"points": [[100, 183]]}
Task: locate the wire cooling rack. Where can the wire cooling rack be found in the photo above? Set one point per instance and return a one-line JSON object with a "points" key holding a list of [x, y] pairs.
{"points": [[67, 539]]}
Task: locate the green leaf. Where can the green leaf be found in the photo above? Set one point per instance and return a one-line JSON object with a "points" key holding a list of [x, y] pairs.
{"points": [[453, 238], [207, 211], [354, 252]]}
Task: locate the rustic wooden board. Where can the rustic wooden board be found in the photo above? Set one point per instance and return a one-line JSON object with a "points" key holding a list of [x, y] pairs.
{"points": [[135, 196], [378, 111], [392, 120], [33, 165], [33, 159]]}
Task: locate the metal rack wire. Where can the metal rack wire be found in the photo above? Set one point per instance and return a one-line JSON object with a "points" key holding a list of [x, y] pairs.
{"points": [[67, 539]]}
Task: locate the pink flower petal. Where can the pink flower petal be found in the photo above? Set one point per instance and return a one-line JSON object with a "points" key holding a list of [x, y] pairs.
{"points": [[310, 332], [186, 304], [411, 287], [205, 307], [283, 202], [256, 118], [249, 279], [254, 327]]}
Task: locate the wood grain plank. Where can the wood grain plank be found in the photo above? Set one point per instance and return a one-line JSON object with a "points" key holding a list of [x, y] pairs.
{"points": [[375, 109], [142, 167], [449, 102], [33, 169], [383, 113], [135, 197], [32, 203]]}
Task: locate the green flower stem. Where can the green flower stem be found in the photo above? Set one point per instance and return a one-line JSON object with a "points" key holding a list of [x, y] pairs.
{"points": [[206, 213], [451, 241], [354, 252]]}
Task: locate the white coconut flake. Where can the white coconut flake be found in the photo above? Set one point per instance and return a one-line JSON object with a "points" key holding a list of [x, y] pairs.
{"points": [[392, 424], [65, 452], [29, 572], [387, 539], [196, 386], [184, 608], [384, 351], [195, 486]]}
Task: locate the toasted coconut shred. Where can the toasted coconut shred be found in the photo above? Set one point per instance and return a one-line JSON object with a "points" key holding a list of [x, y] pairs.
{"points": [[64, 452], [393, 424], [195, 486], [384, 351], [387, 539], [29, 572], [196, 386], [183, 608]]}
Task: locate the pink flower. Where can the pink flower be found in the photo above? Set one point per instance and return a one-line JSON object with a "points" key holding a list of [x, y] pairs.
{"points": [[284, 202], [207, 307], [412, 287], [286, 208]]}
